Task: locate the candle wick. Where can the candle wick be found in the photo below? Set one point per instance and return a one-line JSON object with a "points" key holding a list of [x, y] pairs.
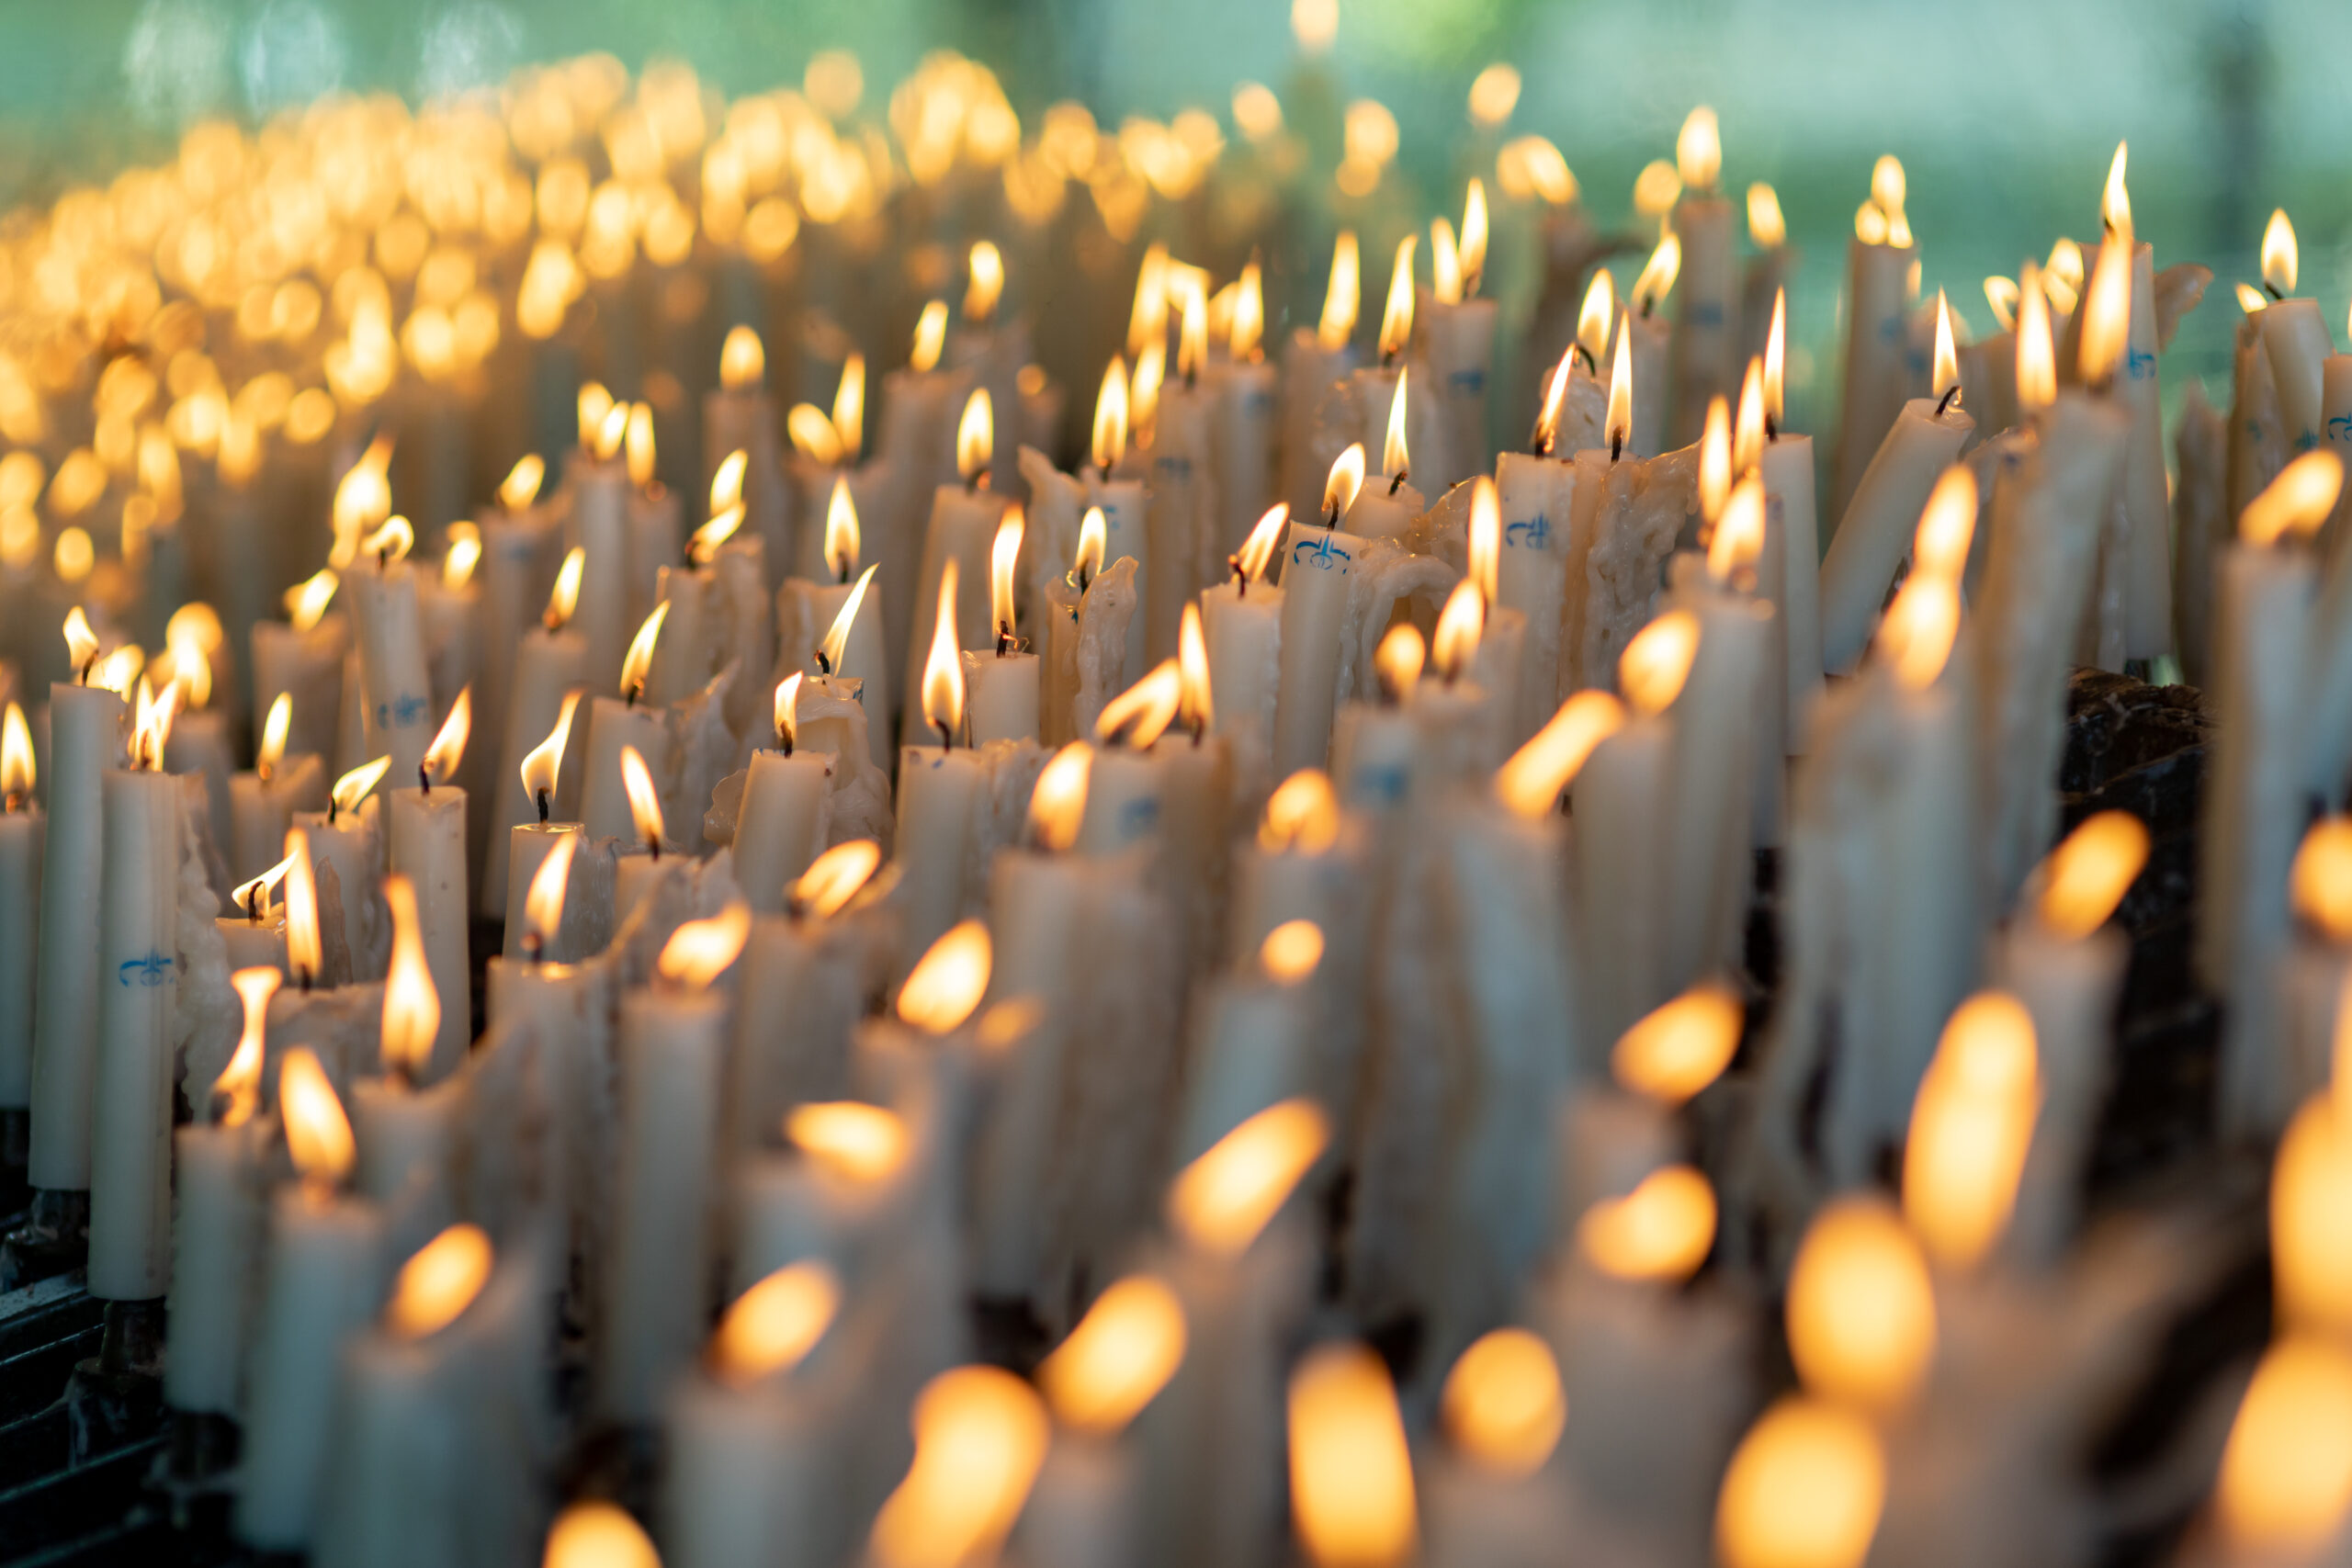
{"points": [[302, 979], [2271, 290], [842, 580], [1240, 578], [784, 741], [824, 665], [653, 848], [946, 738], [543, 807], [1200, 731], [252, 906], [533, 945], [1003, 639], [633, 690], [1616, 444], [333, 807], [1952, 396], [1647, 306], [87, 665], [1771, 428], [1398, 483], [424, 780], [1584, 354]]}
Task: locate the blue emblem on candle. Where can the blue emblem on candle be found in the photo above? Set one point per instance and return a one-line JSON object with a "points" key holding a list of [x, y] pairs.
{"points": [[2306, 441], [1180, 465], [1320, 549], [2340, 427], [401, 712], [1137, 817], [1472, 380], [1380, 786], [1707, 313], [2138, 364], [1535, 533], [150, 971]]}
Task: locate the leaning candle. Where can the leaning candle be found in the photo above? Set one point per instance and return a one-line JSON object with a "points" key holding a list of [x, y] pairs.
{"points": [[1868, 546], [22, 827], [428, 847], [1878, 263], [323, 1278], [672, 1047], [1002, 681], [85, 740], [964, 520], [2251, 820], [2294, 337], [1316, 561], [130, 1130], [551, 665], [938, 790]]}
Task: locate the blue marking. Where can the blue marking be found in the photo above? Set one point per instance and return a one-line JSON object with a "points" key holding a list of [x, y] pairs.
{"points": [[1537, 532], [1321, 550], [1472, 380], [1380, 786], [1707, 313], [2138, 364], [2306, 441], [1139, 817], [152, 971], [401, 712], [2340, 427]]}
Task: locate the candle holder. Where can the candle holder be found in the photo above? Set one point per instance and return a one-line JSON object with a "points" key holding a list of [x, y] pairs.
{"points": [[116, 1396], [53, 1240]]}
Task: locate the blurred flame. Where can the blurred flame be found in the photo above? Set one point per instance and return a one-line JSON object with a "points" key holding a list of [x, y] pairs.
{"points": [[2087, 876], [16, 757], [1555, 391], [304, 953], [1057, 801], [1345, 480], [1660, 1231], [1196, 705], [592, 405], [2286, 1476], [849, 408], [2037, 355], [698, 951], [1916, 635], [1395, 459], [1222, 1200], [1486, 536], [1503, 1404], [1766, 227], [357, 784], [1141, 714], [931, 336], [1121, 1354], [2002, 295], [1111, 416], [1258, 550], [2296, 503], [975, 436], [1303, 813], [462, 555], [1445, 264], [1399, 660], [1461, 623], [437, 1284], [543, 901], [1803, 1490], [2311, 1217], [987, 271], [1004, 555], [980, 1434], [1351, 1471], [1657, 660], [1529, 782], [1714, 462], [2279, 258], [1248, 330], [1292, 950], [389, 543], [2114, 202], [775, 1324], [306, 601], [564, 598], [1861, 1310], [412, 1014], [80, 642], [318, 1134], [1474, 235], [1738, 540], [1342, 296], [520, 488], [1596, 317], [812, 432], [947, 982], [644, 800], [1680, 1047], [1397, 319], [1776, 353], [1658, 274], [1698, 149], [238, 1088], [1947, 524], [2106, 313], [742, 359], [638, 438], [598, 1535], [1970, 1129], [639, 661], [835, 877], [1620, 422]]}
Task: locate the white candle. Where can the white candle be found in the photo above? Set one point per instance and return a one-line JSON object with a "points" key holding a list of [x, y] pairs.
{"points": [[1876, 377], [305, 664], [598, 528], [216, 1229], [1870, 537], [130, 1132], [1706, 303], [1709, 862], [261, 809], [963, 528], [739, 416], [428, 847], [22, 830], [783, 823], [1087, 644], [532, 843], [549, 664], [1316, 563], [346, 849], [85, 726], [604, 802], [2296, 342], [939, 790], [1243, 445], [397, 688]]}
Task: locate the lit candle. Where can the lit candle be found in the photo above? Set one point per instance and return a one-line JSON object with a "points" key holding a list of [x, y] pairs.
{"points": [[656, 518], [1083, 1511], [1181, 533], [739, 416], [1241, 625], [598, 527], [782, 828], [533, 843], [1350, 1472], [1252, 1050], [428, 847], [2267, 1506], [22, 830], [948, 1509], [347, 847], [2144, 573], [833, 626], [302, 658], [1242, 437], [799, 994], [618, 722], [1318, 559], [1090, 616], [397, 687], [549, 669], [964, 520], [262, 803], [1002, 680], [938, 787], [404, 1129], [1706, 304], [1492, 1501], [520, 542], [1313, 359], [673, 1051], [1384, 505], [199, 734], [2295, 338], [1792, 532], [1877, 375], [919, 442], [639, 872]]}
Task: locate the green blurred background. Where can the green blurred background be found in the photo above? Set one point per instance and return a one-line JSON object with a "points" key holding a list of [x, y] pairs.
{"points": [[2005, 112]]}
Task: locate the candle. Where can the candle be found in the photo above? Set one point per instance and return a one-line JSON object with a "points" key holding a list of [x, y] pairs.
{"points": [[1350, 1472], [801, 994], [1181, 533], [397, 690], [428, 847], [1868, 546], [598, 528], [130, 1208], [1241, 438], [1492, 1498], [403, 1135], [740, 417], [1082, 1513], [323, 1280], [2131, 366], [22, 830], [673, 1048], [1877, 375], [656, 519], [963, 521], [938, 791], [1313, 359], [551, 665], [1242, 630], [1002, 682], [86, 739], [346, 841], [1252, 1050], [782, 828], [2202, 444], [946, 1508], [919, 444], [262, 803], [1318, 558], [616, 723], [1090, 614], [302, 658], [640, 874], [835, 627], [2250, 820], [1706, 321], [531, 842], [2294, 339], [216, 1230]]}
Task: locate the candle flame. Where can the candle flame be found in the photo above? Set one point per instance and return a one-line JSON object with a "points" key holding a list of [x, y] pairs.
{"points": [[943, 671], [1529, 782], [1596, 317], [304, 952], [1221, 1201], [849, 408], [238, 1088], [1888, 187], [1151, 370], [727, 483], [2062, 273], [521, 486], [1303, 813], [947, 984], [1342, 296], [591, 407], [448, 748], [1503, 1404], [1396, 319], [1656, 189], [2286, 1477], [1196, 705], [389, 543], [1715, 463], [318, 1134], [2251, 300], [150, 727], [1766, 227], [1399, 660], [543, 900], [639, 661], [1249, 328], [1257, 554], [1141, 714], [1192, 336], [412, 1013], [1970, 1128], [1057, 801], [1947, 524], [1148, 316], [843, 543], [1657, 660], [306, 601], [253, 896], [16, 757], [1494, 93], [1111, 416], [598, 1535], [1486, 536], [975, 436], [1698, 149], [357, 784], [461, 556], [2107, 314], [1738, 541], [80, 642], [1121, 1354], [742, 359], [1461, 624], [835, 877], [1474, 235], [638, 440], [931, 336], [1803, 1490], [2311, 1219], [980, 1434], [437, 1284], [2037, 355], [1660, 1231], [1292, 951], [644, 800], [1396, 460], [771, 1326], [1916, 635], [1869, 224], [698, 951], [1004, 555], [564, 598], [273, 732], [543, 761], [1658, 274], [1555, 391], [2088, 874], [363, 498], [1946, 380], [2279, 257], [1345, 480], [1861, 1310], [1619, 426], [835, 646], [2001, 294], [787, 710], [1445, 264], [1351, 1471], [2296, 503], [2114, 202], [987, 274], [812, 432], [1776, 353], [120, 672], [1682, 1046]]}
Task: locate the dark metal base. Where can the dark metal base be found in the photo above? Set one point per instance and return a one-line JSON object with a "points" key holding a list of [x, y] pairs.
{"points": [[54, 1239], [117, 1395]]}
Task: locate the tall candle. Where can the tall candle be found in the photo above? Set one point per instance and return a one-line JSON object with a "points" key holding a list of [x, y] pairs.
{"points": [[397, 686], [1313, 359], [1316, 562], [783, 824], [85, 730], [428, 847], [1876, 377], [1869, 543], [1706, 303], [963, 528], [22, 830], [304, 662]]}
